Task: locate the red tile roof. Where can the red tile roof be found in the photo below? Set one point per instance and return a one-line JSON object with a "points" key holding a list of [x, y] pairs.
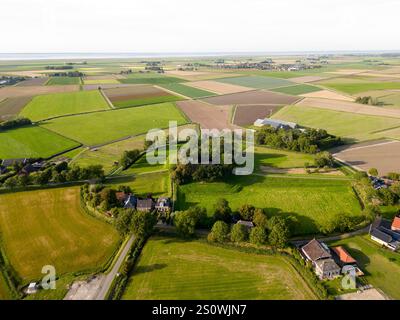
{"points": [[343, 255], [396, 223]]}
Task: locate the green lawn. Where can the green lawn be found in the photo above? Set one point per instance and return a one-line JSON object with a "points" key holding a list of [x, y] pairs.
{"points": [[381, 266], [257, 82], [354, 88], [280, 158], [101, 127], [32, 142], [60, 104], [61, 81], [355, 127], [170, 268], [146, 101], [311, 201], [49, 227], [297, 90], [152, 80], [188, 91]]}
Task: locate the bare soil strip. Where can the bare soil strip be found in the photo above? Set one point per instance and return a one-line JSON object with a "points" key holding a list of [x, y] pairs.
{"points": [[12, 106], [247, 114], [327, 94], [349, 107], [33, 82]]}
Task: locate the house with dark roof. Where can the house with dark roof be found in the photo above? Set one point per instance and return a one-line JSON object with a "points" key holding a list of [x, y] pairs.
{"points": [[386, 235], [163, 205], [130, 202], [145, 205], [10, 162], [327, 269]]}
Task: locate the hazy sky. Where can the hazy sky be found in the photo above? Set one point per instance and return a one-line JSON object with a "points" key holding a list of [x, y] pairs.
{"points": [[198, 25]]}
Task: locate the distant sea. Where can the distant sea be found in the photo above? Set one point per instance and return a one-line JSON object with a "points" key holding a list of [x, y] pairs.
{"points": [[116, 55]]}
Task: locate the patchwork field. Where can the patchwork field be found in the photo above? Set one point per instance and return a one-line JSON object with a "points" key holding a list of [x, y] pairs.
{"points": [[327, 94], [152, 80], [61, 104], [138, 96], [203, 271], [187, 91], [33, 82], [199, 75], [257, 82], [349, 107], [306, 79], [252, 97], [29, 91], [311, 201], [297, 90], [101, 81], [58, 232], [354, 88], [209, 117], [100, 127], [380, 265], [12, 106], [61, 81], [354, 127], [88, 87], [381, 155], [32, 142], [246, 114], [217, 87]]}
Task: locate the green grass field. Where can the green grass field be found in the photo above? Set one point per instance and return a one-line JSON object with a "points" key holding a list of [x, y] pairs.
{"points": [[280, 158], [61, 81], [297, 90], [152, 80], [32, 142], [101, 127], [48, 227], [354, 88], [355, 127], [381, 266], [188, 91], [60, 104], [5, 293], [170, 268], [146, 101], [310, 201], [257, 82]]}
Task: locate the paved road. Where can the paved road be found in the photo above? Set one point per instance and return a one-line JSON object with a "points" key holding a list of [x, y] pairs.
{"points": [[109, 278]]}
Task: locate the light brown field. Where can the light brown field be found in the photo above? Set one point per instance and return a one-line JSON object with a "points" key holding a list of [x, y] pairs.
{"points": [[375, 75], [32, 73], [33, 82], [87, 87], [306, 79], [327, 94], [105, 77], [217, 87], [382, 155], [199, 75], [247, 114], [20, 91], [345, 106], [348, 71], [209, 117]]}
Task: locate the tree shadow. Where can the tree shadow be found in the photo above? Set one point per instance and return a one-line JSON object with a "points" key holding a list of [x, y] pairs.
{"points": [[150, 268]]}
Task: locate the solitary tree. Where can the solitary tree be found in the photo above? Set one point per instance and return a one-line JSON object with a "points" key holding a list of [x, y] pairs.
{"points": [[373, 172]]}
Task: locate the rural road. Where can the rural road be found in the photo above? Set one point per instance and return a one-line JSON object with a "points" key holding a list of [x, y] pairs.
{"points": [[109, 278]]}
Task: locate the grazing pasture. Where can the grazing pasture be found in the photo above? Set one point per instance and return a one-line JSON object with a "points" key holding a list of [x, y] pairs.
{"points": [[49, 227], [257, 82], [12, 106], [298, 89], [217, 87], [311, 202], [61, 104], [353, 126], [101, 127], [252, 97], [209, 117], [62, 81], [188, 91], [202, 271], [246, 114], [32, 142], [280, 159]]}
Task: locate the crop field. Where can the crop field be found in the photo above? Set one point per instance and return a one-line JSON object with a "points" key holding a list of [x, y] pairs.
{"points": [[257, 82], [327, 94], [29, 91], [381, 266], [209, 117], [58, 232], [187, 91], [32, 142], [101, 81], [354, 127], [33, 82], [5, 293], [310, 201], [297, 90], [217, 87], [306, 79], [354, 88], [280, 158], [152, 80], [246, 114], [61, 104], [12, 106], [61, 81], [199, 75], [100, 127], [202, 271], [252, 97]]}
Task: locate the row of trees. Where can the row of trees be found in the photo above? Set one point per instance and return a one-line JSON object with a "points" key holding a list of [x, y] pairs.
{"points": [[129, 157], [14, 123], [308, 140], [185, 173]]}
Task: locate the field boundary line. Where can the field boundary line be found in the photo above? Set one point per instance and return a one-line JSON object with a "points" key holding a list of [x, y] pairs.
{"points": [[172, 92], [369, 146], [106, 98]]}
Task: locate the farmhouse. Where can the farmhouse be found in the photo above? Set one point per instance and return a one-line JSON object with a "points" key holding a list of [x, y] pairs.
{"points": [[145, 205], [385, 235], [277, 124], [396, 223], [130, 202], [10, 162], [319, 255], [163, 205], [346, 261]]}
